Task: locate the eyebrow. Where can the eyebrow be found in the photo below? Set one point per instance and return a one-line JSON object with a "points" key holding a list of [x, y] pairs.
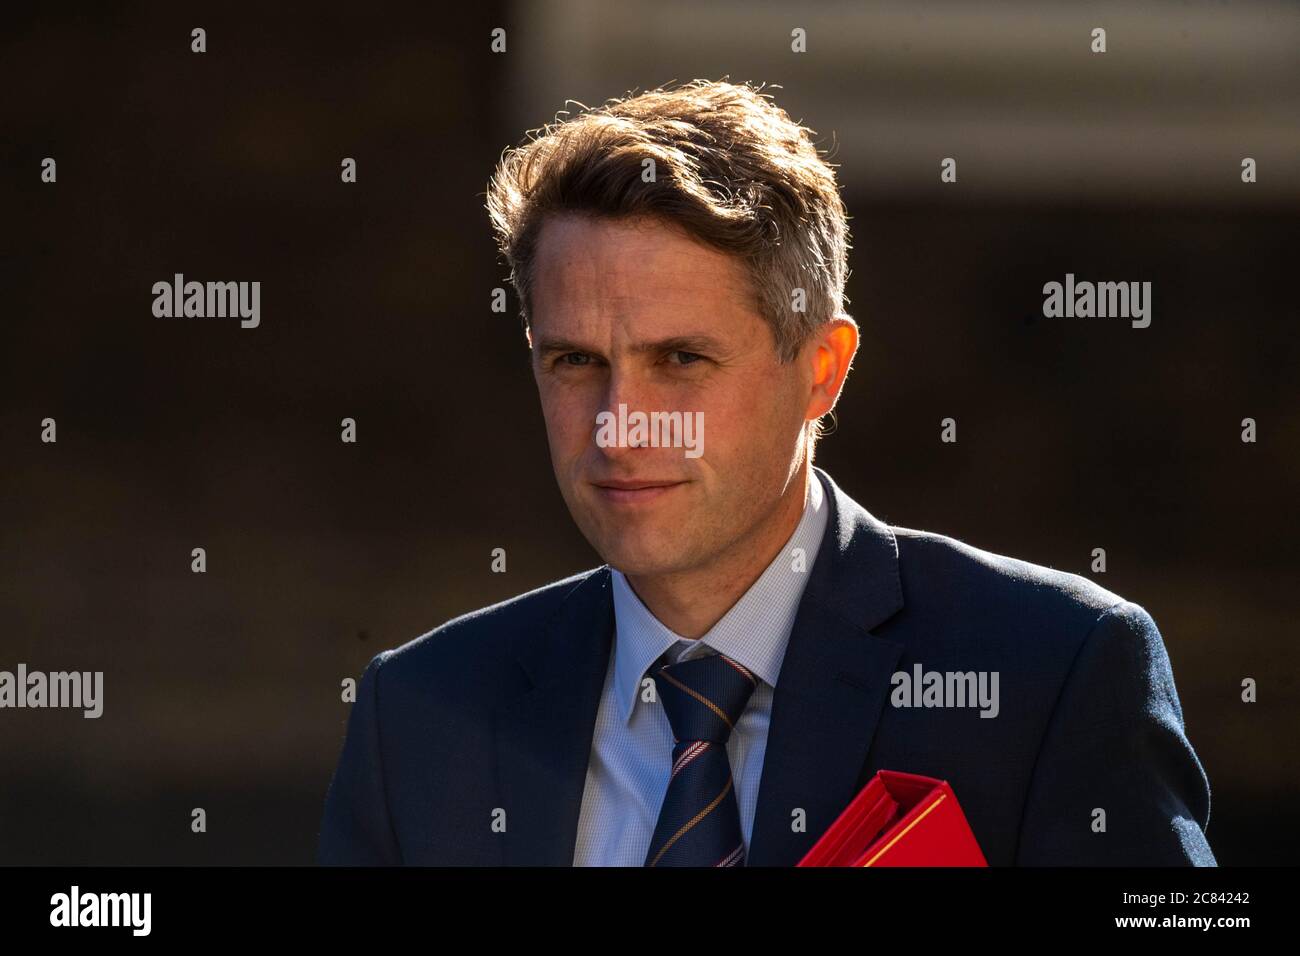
{"points": [[685, 343]]}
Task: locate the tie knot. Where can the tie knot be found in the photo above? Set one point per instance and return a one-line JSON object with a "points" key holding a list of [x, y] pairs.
{"points": [[705, 696]]}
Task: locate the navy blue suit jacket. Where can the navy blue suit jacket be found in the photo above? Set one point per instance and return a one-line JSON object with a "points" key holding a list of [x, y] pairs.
{"points": [[491, 716]]}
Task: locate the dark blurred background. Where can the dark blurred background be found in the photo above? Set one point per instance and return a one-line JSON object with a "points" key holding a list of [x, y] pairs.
{"points": [[222, 689]]}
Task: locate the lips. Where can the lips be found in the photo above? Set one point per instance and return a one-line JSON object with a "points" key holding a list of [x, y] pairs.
{"points": [[632, 484], [633, 491]]}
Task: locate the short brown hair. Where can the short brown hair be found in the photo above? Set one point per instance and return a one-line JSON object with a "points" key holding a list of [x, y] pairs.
{"points": [[731, 168]]}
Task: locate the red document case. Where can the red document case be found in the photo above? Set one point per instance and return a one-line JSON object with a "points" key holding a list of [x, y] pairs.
{"points": [[899, 819]]}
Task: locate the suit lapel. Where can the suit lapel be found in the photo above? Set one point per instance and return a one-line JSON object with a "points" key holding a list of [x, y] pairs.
{"points": [[833, 685], [544, 736]]}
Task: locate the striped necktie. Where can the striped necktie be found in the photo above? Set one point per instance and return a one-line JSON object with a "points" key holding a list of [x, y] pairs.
{"points": [[699, 821]]}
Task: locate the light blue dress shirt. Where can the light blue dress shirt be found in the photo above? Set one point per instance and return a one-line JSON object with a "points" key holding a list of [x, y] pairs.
{"points": [[631, 753]]}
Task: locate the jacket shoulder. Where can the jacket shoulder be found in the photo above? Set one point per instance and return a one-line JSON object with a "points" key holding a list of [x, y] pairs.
{"points": [[970, 580], [477, 642]]}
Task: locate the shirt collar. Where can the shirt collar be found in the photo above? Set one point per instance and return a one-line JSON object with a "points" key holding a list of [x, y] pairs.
{"points": [[753, 632]]}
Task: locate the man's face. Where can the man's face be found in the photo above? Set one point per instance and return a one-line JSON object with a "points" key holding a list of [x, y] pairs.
{"points": [[635, 312]]}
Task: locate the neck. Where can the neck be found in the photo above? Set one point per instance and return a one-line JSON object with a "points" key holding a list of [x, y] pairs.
{"points": [[691, 602]]}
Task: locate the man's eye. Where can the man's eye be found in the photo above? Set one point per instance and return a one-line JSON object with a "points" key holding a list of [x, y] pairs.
{"points": [[689, 357], [575, 358]]}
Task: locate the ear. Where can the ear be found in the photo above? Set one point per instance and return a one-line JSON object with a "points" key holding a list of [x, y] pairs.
{"points": [[830, 352]]}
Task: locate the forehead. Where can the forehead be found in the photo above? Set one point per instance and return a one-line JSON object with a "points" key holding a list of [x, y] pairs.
{"points": [[588, 267]]}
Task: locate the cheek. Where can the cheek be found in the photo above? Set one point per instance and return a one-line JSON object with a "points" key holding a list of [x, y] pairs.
{"points": [[747, 415], [567, 421]]}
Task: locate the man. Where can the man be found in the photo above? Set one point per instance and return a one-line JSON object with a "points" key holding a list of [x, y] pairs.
{"points": [[721, 688]]}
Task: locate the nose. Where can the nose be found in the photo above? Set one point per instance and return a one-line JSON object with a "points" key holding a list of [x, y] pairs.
{"points": [[625, 392]]}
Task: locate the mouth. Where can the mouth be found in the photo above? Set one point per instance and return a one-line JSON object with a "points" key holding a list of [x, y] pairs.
{"points": [[632, 492]]}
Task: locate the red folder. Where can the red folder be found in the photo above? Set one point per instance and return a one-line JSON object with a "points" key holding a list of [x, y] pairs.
{"points": [[899, 819]]}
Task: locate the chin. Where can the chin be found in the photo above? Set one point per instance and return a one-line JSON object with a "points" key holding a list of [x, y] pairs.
{"points": [[641, 561]]}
